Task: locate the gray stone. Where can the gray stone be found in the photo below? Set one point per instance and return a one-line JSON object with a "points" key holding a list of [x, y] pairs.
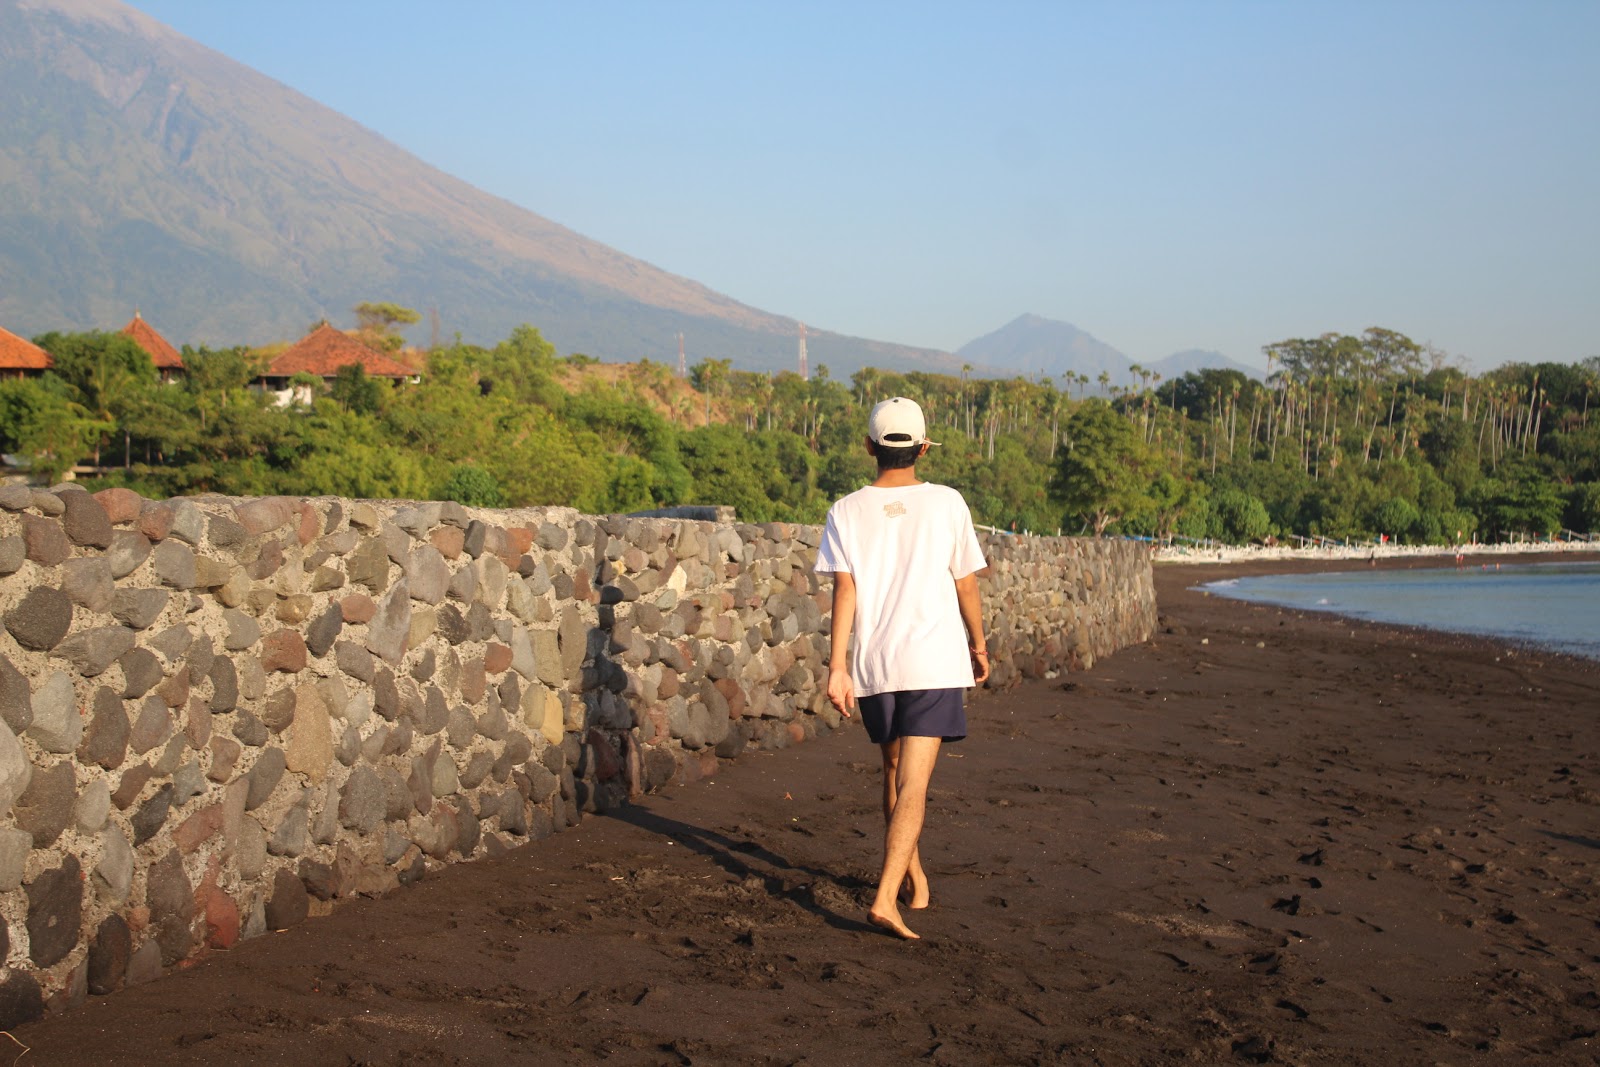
{"points": [[170, 897], [464, 583], [92, 651], [354, 660], [460, 727], [547, 658], [47, 502], [278, 712], [16, 771], [389, 629], [323, 631], [55, 909], [173, 642], [200, 657], [109, 956], [15, 846], [152, 815], [93, 807], [251, 851], [551, 537], [85, 520], [106, 739], [574, 641], [129, 549], [151, 727], [368, 565], [172, 754], [41, 619], [224, 685], [45, 808], [187, 783], [325, 826], [249, 729], [175, 565], [524, 660], [223, 532], [243, 631], [492, 723], [264, 777], [348, 749], [57, 726], [293, 833], [363, 802], [141, 672], [16, 699], [87, 582], [443, 779], [13, 551], [479, 764], [188, 522], [427, 574], [16, 497]]}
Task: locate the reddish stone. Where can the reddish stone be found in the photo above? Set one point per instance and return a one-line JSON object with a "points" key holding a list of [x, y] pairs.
{"points": [[733, 694], [473, 683], [449, 540], [198, 828], [122, 505], [581, 589], [310, 524], [606, 764], [197, 726], [283, 650], [519, 539], [137, 918], [689, 770], [512, 560], [708, 763], [174, 692], [668, 687], [264, 514], [45, 540], [222, 918], [496, 658], [797, 733], [358, 607], [155, 520]]}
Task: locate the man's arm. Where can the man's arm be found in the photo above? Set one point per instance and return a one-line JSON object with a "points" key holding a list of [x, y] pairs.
{"points": [[841, 689], [972, 615]]}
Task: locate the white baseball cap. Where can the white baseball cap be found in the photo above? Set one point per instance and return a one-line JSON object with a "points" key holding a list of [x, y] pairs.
{"points": [[898, 423]]}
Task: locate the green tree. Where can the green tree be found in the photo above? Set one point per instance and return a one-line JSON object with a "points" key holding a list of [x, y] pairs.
{"points": [[377, 324], [1102, 472]]}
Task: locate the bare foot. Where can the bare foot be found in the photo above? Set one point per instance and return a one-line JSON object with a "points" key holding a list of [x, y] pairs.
{"points": [[891, 921], [914, 891]]}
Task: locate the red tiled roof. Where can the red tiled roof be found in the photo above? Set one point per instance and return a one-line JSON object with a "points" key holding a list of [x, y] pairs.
{"points": [[324, 350], [17, 354], [162, 354]]}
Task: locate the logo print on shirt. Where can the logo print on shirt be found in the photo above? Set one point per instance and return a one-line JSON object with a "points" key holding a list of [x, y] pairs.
{"points": [[894, 509]]}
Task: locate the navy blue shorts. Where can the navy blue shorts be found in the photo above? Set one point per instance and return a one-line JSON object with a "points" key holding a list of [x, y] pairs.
{"points": [[914, 713]]}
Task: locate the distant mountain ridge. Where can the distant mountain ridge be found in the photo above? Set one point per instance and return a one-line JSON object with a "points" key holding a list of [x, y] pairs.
{"points": [[1033, 345], [140, 169]]}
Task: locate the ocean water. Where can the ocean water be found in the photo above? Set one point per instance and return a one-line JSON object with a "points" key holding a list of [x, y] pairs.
{"points": [[1544, 605]]}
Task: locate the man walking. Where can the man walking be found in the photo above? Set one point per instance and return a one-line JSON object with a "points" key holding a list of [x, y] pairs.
{"points": [[904, 559]]}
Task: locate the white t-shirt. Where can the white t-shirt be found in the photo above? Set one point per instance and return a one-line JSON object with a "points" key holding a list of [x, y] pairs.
{"points": [[905, 547]]}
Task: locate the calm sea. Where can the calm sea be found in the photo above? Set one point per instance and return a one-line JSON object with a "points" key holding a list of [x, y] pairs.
{"points": [[1547, 605]]}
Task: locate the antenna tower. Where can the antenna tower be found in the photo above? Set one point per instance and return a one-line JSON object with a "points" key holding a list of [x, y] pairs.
{"points": [[805, 375], [683, 371]]}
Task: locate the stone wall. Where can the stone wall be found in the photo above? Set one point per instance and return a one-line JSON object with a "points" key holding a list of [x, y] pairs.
{"points": [[221, 716]]}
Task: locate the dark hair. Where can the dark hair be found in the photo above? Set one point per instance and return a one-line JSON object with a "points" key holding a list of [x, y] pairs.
{"points": [[895, 457]]}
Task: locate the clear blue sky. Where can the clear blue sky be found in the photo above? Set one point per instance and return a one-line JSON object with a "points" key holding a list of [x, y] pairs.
{"points": [[1163, 175]]}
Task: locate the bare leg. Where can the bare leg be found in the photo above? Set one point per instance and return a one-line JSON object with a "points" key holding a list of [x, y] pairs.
{"points": [[914, 768], [916, 879]]}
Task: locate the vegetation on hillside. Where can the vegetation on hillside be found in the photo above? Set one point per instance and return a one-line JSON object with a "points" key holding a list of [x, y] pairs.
{"points": [[1351, 437]]}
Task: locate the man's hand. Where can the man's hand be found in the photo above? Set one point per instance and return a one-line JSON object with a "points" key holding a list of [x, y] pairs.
{"points": [[841, 690], [980, 667]]}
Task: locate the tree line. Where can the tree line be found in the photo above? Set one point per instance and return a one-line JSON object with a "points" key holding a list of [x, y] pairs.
{"points": [[1351, 437]]}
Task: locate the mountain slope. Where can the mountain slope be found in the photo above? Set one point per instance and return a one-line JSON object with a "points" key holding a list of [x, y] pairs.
{"points": [[141, 169], [1031, 344]]}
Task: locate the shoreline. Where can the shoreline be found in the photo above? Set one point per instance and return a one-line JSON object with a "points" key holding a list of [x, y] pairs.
{"points": [[1263, 836], [1260, 554]]}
